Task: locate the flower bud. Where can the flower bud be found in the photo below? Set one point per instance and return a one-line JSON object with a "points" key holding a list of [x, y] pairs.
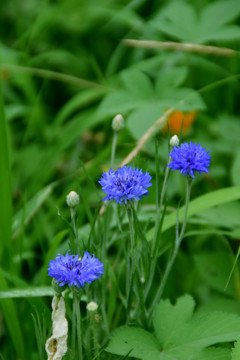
{"points": [[118, 123], [174, 141], [92, 306], [72, 199]]}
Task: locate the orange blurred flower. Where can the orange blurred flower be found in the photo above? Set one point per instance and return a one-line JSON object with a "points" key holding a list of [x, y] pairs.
{"points": [[175, 120]]}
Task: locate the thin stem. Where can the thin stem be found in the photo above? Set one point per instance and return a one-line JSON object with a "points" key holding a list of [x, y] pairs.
{"points": [[77, 313], [115, 136], [175, 250], [195, 48], [94, 331], [131, 256], [158, 216], [74, 242], [159, 221]]}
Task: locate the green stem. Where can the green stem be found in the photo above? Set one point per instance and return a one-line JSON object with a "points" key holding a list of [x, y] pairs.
{"points": [[94, 331], [74, 242], [131, 256], [159, 218], [114, 144], [77, 332], [175, 250]]}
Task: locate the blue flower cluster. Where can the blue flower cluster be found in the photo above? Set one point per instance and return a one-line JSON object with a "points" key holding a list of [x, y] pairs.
{"points": [[71, 270], [189, 158], [125, 184]]}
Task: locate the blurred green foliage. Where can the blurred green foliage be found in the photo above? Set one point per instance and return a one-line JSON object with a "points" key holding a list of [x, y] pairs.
{"points": [[65, 73]]}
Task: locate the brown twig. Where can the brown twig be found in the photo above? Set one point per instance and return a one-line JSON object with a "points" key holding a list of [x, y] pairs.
{"points": [[203, 49]]}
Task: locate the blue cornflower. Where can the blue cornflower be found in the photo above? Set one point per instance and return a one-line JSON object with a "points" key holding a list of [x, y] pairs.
{"points": [[71, 270], [125, 184], [189, 158]]}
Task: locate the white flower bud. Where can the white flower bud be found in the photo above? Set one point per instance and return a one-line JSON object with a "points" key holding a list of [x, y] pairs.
{"points": [[56, 345], [174, 141], [72, 199], [92, 306], [118, 123]]}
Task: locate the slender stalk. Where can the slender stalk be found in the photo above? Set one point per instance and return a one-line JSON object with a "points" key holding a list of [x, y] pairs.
{"points": [[131, 256], [77, 332], [74, 242], [158, 226], [175, 250], [94, 331], [114, 144]]}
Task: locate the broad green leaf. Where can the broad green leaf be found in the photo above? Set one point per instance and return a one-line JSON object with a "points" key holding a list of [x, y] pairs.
{"points": [[140, 343], [188, 338], [119, 102], [204, 202], [201, 203], [235, 170], [37, 291], [170, 78], [219, 13], [137, 83], [215, 268], [169, 319], [139, 121], [214, 354], [178, 19], [236, 351]]}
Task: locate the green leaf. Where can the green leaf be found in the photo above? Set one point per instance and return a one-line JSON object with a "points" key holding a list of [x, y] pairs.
{"points": [[219, 13], [214, 354], [236, 351], [11, 318], [37, 291], [140, 343], [137, 84], [32, 207], [170, 78], [215, 269], [201, 203], [168, 319], [139, 121], [235, 169], [204, 202], [181, 335], [5, 187]]}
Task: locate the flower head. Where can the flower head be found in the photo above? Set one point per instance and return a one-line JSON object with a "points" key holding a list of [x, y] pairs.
{"points": [[189, 158], [125, 184], [71, 270]]}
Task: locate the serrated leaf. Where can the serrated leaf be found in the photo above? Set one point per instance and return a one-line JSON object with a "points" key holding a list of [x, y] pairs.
{"points": [[142, 118], [119, 102], [170, 78], [220, 12], [188, 338], [140, 343], [235, 170], [137, 83], [236, 351], [169, 319]]}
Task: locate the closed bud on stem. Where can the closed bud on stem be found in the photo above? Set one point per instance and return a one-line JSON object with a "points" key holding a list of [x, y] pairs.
{"points": [[174, 141], [118, 123], [92, 306], [72, 199]]}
